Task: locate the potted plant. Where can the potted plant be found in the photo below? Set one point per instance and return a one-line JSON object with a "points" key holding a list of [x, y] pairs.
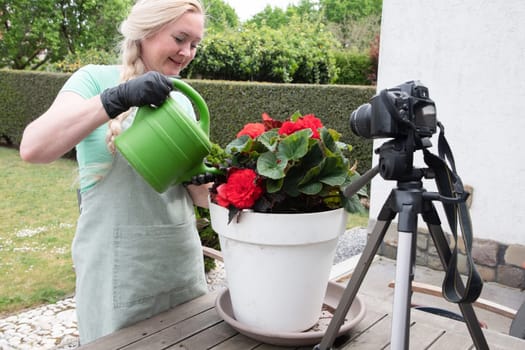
{"points": [[279, 209]]}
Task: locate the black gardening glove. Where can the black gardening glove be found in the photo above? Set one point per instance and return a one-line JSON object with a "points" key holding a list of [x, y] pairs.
{"points": [[151, 88], [201, 179]]}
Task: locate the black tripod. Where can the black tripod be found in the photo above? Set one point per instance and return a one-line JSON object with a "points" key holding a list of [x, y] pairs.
{"points": [[408, 200]]}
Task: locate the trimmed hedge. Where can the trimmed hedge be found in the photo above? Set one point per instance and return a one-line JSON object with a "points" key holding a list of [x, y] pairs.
{"points": [[25, 95]]}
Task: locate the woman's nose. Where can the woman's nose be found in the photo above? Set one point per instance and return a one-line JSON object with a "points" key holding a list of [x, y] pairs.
{"points": [[185, 50]]}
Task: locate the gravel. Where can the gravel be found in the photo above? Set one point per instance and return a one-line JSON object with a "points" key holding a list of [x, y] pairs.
{"points": [[351, 243]]}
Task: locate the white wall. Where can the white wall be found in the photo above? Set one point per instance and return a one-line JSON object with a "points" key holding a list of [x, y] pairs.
{"points": [[471, 56]]}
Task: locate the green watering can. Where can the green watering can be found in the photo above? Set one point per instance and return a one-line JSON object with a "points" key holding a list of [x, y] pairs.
{"points": [[165, 145]]}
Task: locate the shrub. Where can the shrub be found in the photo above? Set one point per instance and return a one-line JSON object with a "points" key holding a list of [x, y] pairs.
{"points": [[354, 68], [298, 53], [73, 62]]}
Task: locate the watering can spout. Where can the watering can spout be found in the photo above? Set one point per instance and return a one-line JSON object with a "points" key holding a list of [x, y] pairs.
{"points": [[165, 145], [201, 169]]}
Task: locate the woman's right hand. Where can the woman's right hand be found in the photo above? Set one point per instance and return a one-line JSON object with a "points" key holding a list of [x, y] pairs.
{"points": [[151, 88]]}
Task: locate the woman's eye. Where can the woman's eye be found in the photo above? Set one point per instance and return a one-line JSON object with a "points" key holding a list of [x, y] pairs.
{"points": [[183, 40]]}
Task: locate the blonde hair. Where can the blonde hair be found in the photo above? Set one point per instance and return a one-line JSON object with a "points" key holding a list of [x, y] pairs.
{"points": [[146, 18]]}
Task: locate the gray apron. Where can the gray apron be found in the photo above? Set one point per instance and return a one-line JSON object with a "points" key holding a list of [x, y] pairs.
{"points": [[136, 252]]}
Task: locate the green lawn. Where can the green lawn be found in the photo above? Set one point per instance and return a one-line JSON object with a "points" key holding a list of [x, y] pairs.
{"points": [[38, 211]]}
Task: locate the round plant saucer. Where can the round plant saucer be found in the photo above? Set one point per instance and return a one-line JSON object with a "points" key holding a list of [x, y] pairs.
{"points": [[311, 336]]}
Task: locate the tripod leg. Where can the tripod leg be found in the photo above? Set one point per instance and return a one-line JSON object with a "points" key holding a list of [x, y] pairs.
{"points": [[434, 226], [367, 256], [409, 204], [405, 259]]}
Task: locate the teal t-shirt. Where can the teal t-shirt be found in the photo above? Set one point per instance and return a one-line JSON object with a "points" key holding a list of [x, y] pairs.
{"points": [[94, 159]]}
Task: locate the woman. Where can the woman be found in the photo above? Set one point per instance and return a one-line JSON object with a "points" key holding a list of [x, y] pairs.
{"points": [[136, 252]]}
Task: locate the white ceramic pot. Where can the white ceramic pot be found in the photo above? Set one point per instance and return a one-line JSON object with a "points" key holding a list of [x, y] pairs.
{"points": [[278, 265]]}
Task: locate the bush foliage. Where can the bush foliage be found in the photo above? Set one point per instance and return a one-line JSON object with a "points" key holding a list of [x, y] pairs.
{"points": [[296, 53]]}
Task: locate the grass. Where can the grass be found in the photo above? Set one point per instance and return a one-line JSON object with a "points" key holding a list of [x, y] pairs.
{"points": [[357, 220], [38, 213]]}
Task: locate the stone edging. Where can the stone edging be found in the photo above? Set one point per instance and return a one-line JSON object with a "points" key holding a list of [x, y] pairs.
{"points": [[495, 261]]}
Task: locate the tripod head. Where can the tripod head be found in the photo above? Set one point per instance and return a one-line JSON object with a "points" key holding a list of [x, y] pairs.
{"points": [[396, 162], [396, 159]]}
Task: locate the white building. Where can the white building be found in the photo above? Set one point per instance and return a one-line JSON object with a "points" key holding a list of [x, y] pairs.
{"points": [[471, 56]]}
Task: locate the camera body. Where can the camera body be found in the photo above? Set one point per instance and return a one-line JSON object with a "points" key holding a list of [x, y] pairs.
{"points": [[396, 112]]}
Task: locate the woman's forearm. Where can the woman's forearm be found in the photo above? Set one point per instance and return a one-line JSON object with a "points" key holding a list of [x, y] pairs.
{"points": [[67, 122]]}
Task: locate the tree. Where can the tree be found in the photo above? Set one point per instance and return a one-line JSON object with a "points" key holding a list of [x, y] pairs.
{"points": [[354, 22], [36, 32], [306, 9], [342, 11], [275, 17], [220, 15]]}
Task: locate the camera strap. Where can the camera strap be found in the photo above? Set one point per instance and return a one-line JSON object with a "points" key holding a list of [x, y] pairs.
{"points": [[451, 189]]}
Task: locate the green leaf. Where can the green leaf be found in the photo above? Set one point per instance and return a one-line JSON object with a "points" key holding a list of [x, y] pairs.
{"points": [[312, 188], [295, 116], [269, 139], [351, 177], [241, 144], [294, 175], [270, 166], [328, 140], [273, 186], [294, 146], [232, 213], [314, 157], [353, 204], [344, 146], [334, 172], [311, 174]]}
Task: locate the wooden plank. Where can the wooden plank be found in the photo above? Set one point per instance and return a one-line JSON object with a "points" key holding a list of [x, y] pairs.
{"points": [[206, 338], [437, 332], [458, 330], [503, 341], [144, 328], [237, 342], [177, 332], [376, 336], [196, 325], [451, 340], [427, 336], [480, 302], [212, 253], [423, 335], [371, 318], [271, 347]]}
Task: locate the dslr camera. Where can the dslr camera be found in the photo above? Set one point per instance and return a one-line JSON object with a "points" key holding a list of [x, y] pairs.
{"points": [[396, 112]]}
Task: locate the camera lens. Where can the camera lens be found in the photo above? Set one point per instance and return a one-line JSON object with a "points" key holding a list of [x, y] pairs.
{"points": [[360, 120]]}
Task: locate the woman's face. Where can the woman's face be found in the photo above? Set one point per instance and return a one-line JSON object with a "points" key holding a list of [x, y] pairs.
{"points": [[171, 49]]}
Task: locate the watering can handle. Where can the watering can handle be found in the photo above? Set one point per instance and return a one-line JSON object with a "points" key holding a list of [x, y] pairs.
{"points": [[204, 119], [195, 97]]}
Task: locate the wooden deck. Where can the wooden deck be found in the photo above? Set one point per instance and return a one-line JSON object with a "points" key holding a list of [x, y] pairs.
{"points": [[196, 326]]}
